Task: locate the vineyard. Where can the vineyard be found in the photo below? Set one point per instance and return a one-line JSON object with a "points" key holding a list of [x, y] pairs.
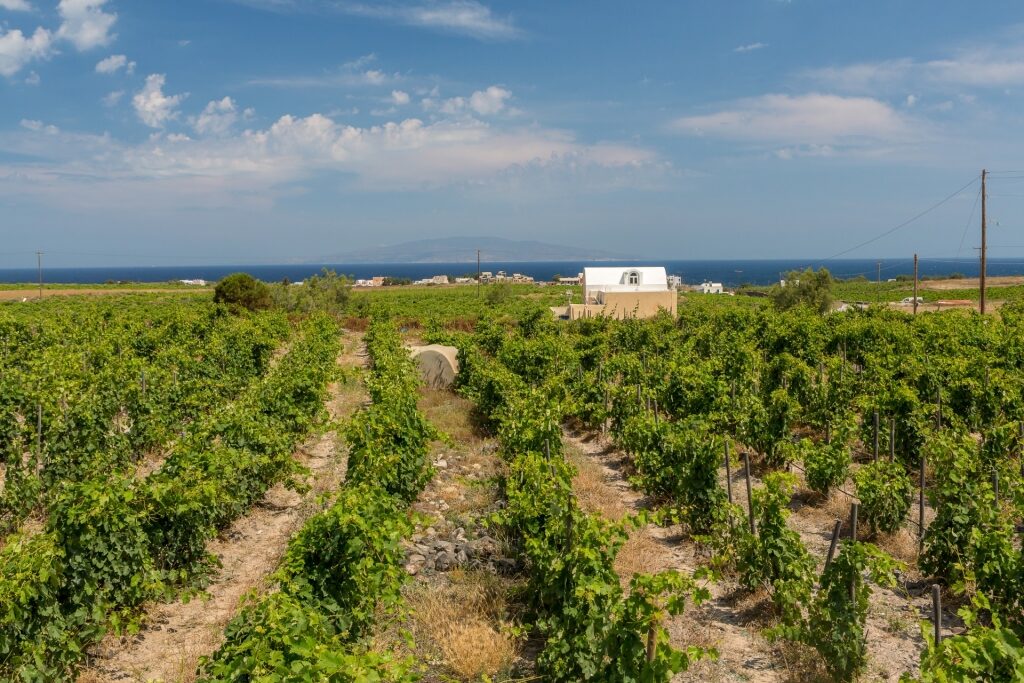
{"points": [[736, 494]]}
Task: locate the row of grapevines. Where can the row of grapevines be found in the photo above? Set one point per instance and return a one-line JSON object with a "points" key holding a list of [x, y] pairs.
{"points": [[126, 385], [112, 542], [343, 569], [594, 629]]}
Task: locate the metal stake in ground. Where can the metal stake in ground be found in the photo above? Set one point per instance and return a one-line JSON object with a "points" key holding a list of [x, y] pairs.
{"points": [[750, 497], [836, 528], [876, 436], [728, 472], [853, 520], [937, 613], [652, 641], [892, 439], [920, 507]]}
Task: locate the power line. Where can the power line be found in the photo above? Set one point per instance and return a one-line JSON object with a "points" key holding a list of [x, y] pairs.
{"points": [[903, 224], [968, 224]]}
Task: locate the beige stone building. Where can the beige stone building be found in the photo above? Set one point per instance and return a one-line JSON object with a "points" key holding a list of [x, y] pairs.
{"points": [[624, 292]]}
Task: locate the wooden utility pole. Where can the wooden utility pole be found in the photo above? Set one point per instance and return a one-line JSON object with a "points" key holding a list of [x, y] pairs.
{"points": [[39, 266], [984, 242], [915, 284], [878, 265]]}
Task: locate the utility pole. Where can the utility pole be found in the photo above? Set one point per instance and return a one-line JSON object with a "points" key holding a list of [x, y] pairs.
{"points": [[878, 265], [39, 266], [478, 273], [984, 243], [915, 284]]}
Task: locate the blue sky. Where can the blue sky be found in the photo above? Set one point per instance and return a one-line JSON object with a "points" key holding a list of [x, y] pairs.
{"points": [[234, 131]]}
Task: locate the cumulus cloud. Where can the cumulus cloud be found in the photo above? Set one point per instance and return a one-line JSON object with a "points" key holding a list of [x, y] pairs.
{"points": [[18, 49], [115, 63], [353, 73], [483, 102], [219, 117], [39, 127], [399, 97], [812, 119], [112, 98], [33, 78], [258, 165], [85, 24], [15, 5], [153, 107]]}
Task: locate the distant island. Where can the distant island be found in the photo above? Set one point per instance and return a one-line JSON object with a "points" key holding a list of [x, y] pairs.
{"points": [[463, 250]]}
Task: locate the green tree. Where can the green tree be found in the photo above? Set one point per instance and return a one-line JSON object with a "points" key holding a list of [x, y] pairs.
{"points": [[808, 288], [241, 290]]}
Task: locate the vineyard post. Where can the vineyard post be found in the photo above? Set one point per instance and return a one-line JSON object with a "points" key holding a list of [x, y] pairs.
{"points": [[853, 520], [750, 497], [937, 613], [656, 412], [39, 433], [174, 376], [876, 435], [652, 640], [938, 402], [547, 449], [892, 439], [920, 507], [995, 485], [836, 528], [728, 472]]}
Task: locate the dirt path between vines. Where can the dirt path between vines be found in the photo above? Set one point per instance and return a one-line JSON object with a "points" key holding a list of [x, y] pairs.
{"points": [[733, 620], [177, 634]]}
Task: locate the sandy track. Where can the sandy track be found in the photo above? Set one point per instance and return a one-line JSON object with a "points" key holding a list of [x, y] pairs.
{"points": [[733, 620], [177, 634]]}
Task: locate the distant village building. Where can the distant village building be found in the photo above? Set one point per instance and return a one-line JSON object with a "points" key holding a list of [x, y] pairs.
{"points": [[675, 281], [196, 283], [624, 292], [712, 288], [568, 280]]}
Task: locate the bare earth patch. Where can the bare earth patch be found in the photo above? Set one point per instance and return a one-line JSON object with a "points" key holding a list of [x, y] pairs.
{"points": [[177, 634]]}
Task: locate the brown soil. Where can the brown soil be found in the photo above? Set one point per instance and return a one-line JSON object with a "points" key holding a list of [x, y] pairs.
{"points": [[459, 620], [176, 635], [733, 620], [970, 282], [33, 295]]}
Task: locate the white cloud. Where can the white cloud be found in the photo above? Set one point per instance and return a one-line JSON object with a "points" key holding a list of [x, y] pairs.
{"points": [[15, 5], [115, 63], [911, 100], [39, 127], [750, 47], [33, 78], [17, 49], [153, 107], [256, 166], [483, 102], [85, 24], [219, 117], [812, 119], [985, 67], [354, 73], [112, 98], [465, 17], [399, 97]]}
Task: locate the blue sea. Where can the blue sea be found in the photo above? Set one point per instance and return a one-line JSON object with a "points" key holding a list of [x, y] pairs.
{"points": [[729, 272]]}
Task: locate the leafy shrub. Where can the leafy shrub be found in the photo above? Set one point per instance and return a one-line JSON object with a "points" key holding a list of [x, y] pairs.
{"points": [[827, 464], [775, 554], [241, 290], [884, 490]]}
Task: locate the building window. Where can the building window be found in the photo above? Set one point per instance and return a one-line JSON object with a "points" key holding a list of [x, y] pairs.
{"points": [[634, 277]]}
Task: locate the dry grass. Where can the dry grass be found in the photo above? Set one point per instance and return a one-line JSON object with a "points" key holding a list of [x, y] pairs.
{"points": [[450, 413], [464, 622], [593, 493], [641, 554], [902, 545]]}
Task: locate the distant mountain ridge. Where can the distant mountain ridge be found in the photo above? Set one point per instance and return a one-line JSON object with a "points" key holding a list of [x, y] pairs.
{"points": [[463, 250]]}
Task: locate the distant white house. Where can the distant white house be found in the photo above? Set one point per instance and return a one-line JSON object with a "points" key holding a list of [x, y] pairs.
{"points": [[675, 281], [197, 282], [624, 279], [712, 288]]}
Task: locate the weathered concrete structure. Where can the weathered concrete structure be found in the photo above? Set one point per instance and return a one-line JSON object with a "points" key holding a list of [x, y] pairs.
{"points": [[438, 364]]}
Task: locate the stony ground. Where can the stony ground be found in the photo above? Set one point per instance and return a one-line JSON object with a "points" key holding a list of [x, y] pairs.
{"points": [[733, 621], [175, 635]]}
